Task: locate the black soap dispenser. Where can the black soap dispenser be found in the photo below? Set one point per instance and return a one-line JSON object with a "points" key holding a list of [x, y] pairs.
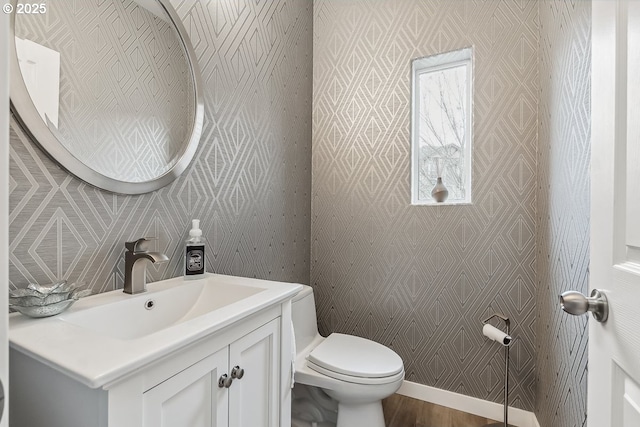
{"points": [[194, 260]]}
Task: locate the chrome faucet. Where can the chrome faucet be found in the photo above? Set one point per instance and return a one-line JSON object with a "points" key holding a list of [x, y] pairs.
{"points": [[135, 265]]}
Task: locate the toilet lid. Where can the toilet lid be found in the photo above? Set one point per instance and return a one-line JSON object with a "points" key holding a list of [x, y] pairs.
{"points": [[356, 357]]}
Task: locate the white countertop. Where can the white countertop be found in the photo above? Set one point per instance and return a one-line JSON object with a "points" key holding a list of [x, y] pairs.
{"points": [[96, 359]]}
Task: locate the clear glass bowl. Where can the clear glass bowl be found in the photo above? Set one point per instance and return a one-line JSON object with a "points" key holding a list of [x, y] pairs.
{"points": [[44, 301], [44, 310], [29, 301]]}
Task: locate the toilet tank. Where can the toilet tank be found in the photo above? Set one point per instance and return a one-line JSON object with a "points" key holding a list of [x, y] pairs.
{"points": [[303, 315]]}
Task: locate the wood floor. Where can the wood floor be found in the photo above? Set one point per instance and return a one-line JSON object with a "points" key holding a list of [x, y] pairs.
{"points": [[403, 411]]}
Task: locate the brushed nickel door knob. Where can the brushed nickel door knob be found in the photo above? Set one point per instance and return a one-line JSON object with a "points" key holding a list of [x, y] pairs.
{"points": [[237, 372], [575, 303], [225, 381]]}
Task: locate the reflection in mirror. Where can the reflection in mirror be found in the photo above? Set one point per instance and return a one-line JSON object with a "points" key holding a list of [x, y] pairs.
{"points": [[112, 82]]}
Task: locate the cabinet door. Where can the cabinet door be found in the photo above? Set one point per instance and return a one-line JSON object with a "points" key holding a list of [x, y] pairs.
{"points": [[191, 398], [254, 399]]}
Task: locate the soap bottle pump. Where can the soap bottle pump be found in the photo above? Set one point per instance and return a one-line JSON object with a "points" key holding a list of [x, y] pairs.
{"points": [[194, 261]]}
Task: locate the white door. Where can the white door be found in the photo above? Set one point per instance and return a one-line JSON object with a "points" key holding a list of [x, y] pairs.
{"points": [[614, 346], [254, 399], [4, 213], [191, 398]]}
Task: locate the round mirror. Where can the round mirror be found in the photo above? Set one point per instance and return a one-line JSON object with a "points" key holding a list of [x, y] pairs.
{"points": [[107, 88]]}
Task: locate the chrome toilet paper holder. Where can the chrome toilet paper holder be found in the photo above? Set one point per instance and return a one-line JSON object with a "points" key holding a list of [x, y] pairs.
{"points": [[506, 342]]}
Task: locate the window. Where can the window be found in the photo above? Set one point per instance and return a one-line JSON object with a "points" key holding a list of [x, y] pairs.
{"points": [[441, 126]]}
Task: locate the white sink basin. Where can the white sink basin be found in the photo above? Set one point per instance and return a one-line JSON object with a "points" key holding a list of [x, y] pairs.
{"points": [[103, 338], [164, 304]]}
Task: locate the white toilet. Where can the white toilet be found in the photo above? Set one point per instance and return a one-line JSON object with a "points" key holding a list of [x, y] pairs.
{"points": [[356, 372]]}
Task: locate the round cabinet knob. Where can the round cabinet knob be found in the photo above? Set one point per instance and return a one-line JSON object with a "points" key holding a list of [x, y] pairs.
{"points": [[237, 372], [224, 381], [575, 303]]}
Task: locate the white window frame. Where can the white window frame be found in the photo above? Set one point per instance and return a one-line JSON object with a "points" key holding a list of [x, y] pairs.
{"points": [[431, 64]]}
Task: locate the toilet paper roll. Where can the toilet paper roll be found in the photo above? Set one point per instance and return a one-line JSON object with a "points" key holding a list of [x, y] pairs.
{"points": [[496, 334]]}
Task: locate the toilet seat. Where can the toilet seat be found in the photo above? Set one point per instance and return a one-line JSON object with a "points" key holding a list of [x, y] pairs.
{"points": [[356, 360]]}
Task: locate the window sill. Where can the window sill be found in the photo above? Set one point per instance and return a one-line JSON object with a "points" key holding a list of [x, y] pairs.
{"points": [[451, 203]]}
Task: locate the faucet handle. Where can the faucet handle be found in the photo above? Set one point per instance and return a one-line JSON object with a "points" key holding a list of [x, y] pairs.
{"points": [[139, 245]]}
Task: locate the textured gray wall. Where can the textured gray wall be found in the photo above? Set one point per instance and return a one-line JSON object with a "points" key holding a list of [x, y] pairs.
{"points": [[249, 183], [421, 279], [563, 210]]}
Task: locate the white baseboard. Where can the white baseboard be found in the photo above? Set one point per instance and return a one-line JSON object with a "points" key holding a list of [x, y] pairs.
{"points": [[471, 405]]}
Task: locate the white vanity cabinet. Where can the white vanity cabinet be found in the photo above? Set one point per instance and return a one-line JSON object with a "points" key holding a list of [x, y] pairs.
{"points": [[180, 389], [207, 394], [190, 398], [253, 399]]}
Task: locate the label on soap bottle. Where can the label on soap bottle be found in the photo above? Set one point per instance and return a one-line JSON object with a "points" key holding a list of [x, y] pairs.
{"points": [[194, 264]]}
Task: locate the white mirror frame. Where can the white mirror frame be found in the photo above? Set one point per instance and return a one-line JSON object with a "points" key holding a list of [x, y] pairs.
{"points": [[26, 114]]}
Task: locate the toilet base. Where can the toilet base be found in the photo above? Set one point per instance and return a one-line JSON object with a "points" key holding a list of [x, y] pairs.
{"points": [[360, 414]]}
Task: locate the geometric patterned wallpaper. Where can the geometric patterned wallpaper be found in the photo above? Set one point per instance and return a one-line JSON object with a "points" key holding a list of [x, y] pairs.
{"points": [[249, 183], [126, 96], [563, 210], [420, 279]]}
